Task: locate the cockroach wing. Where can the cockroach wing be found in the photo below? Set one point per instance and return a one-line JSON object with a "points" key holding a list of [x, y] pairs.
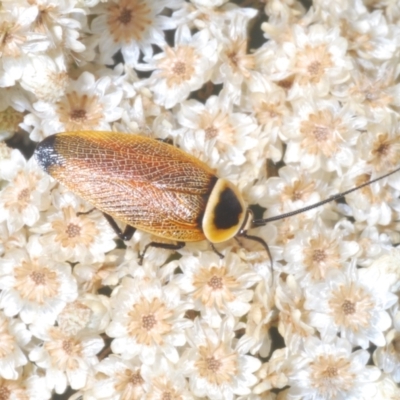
{"points": [[148, 184]]}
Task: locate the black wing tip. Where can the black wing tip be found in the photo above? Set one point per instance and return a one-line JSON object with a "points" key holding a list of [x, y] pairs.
{"points": [[46, 154]]}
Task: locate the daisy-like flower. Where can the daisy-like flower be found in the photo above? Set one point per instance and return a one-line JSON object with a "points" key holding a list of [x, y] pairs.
{"points": [[16, 98], [147, 319], [33, 286], [165, 381], [293, 317], [318, 60], [236, 66], [259, 320], [368, 34], [216, 286], [331, 371], [380, 147], [273, 374], [373, 204], [66, 360], [320, 134], [27, 387], [9, 122], [215, 368], [390, 8], [294, 188], [90, 312], [60, 23], [228, 135], [119, 379], [131, 26], [373, 94], [26, 193], [88, 104], [385, 389], [353, 303], [313, 253], [387, 358], [18, 40], [93, 276], [372, 244], [9, 241], [13, 338], [181, 69], [387, 268], [75, 237], [46, 77]]}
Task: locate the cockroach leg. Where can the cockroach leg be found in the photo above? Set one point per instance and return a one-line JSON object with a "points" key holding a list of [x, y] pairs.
{"points": [[258, 240], [214, 249], [85, 212], [126, 234], [167, 141], [168, 246]]}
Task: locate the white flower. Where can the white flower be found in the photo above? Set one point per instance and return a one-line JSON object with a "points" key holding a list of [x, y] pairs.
{"points": [[9, 122], [387, 270], [236, 67], [318, 59], [379, 146], [331, 371], [11, 241], [273, 374], [293, 189], [372, 244], [181, 69], [46, 77], [62, 24], [369, 35], [88, 104], [165, 381], [147, 319], [119, 379], [26, 193], [75, 237], [29, 386], [215, 368], [372, 96], [373, 203], [132, 26], [13, 338], [387, 358], [313, 253], [227, 134], [385, 389], [15, 25], [216, 286], [93, 276], [66, 360], [33, 286], [259, 320], [293, 324], [321, 135], [353, 303], [90, 311]]}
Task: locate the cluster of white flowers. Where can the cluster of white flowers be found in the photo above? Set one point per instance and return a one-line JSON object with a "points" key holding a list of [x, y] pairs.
{"points": [[245, 86]]}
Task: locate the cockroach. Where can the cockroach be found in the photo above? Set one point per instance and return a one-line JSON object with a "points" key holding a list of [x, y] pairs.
{"points": [[155, 187]]}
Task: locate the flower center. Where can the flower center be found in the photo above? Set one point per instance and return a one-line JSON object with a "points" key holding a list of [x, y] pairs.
{"points": [[125, 16], [215, 283], [38, 277], [148, 322], [213, 364], [73, 230], [348, 307]]}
